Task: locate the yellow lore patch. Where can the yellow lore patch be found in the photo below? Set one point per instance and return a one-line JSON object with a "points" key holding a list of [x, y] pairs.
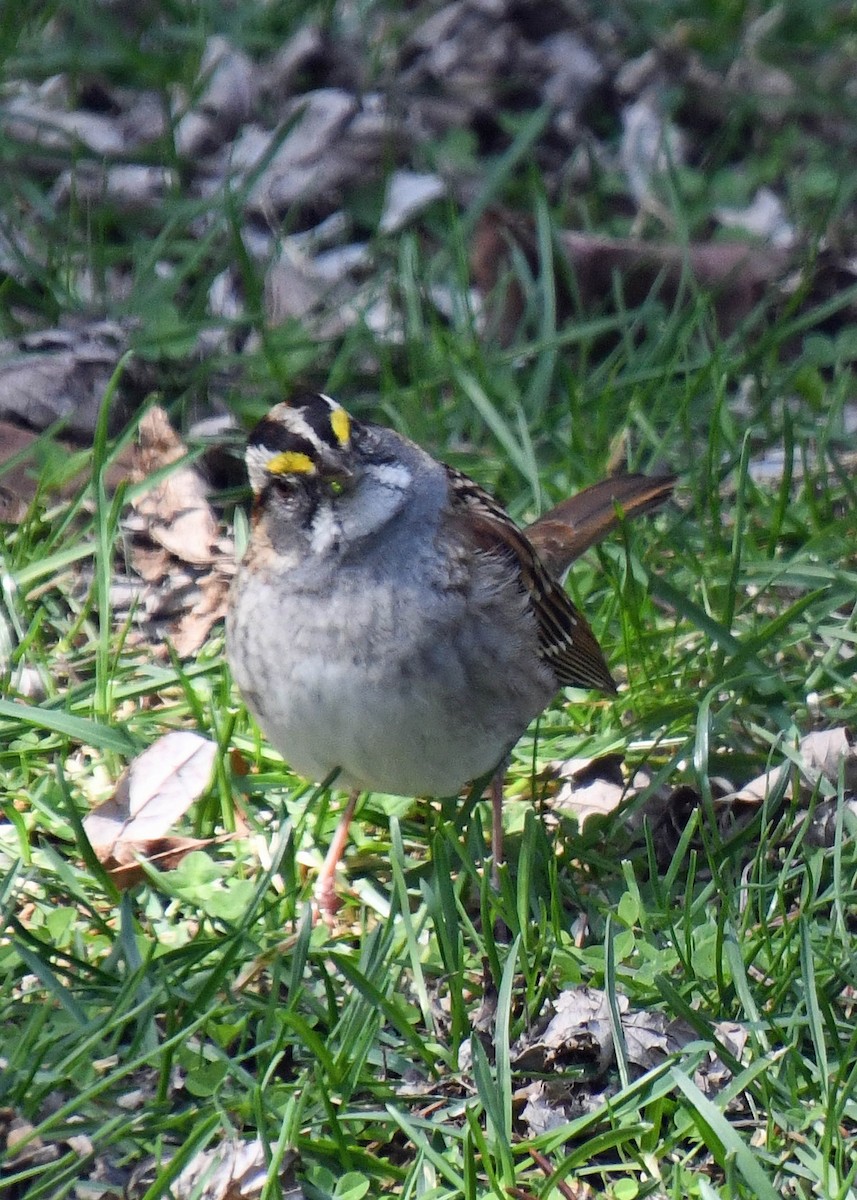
{"points": [[290, 462], [340, 423]]}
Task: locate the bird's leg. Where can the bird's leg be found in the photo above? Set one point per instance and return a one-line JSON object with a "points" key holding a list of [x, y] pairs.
{"points": [[324, 894]]}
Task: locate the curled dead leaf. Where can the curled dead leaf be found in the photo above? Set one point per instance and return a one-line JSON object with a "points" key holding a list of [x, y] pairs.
{"points": [[176, 546]]}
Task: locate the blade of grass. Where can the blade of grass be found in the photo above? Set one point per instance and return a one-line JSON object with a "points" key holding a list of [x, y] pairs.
{"points": [[721, 1139], [617, 1033], [78, 729], [106, 518], [397, 859]]}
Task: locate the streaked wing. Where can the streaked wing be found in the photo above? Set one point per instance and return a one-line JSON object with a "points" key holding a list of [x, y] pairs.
{"points": [[565, 640]]}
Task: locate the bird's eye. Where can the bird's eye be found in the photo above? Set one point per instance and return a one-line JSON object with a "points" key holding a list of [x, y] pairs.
{"points": [[335, 487]]}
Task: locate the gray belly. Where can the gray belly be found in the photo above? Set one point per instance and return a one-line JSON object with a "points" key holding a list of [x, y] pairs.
{"points": [[413, 693]]}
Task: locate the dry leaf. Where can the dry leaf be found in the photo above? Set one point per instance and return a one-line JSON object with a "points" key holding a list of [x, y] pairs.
{"points": [[23, 1147], [124, 865], [590, 787], [577, 1032], [818, 757], [176, 510], [764, 217], [152, 563], [651, 147], [737, 274], [157, 788], [60, 375], [235, 1170], [195, 624], [129, 187], [27, 119], [174, 535], [24, 478], [222, 105], [408, 193]]}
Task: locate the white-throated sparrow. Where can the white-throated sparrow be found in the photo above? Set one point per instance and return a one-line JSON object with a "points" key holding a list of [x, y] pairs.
{"points": [[390, 620]]}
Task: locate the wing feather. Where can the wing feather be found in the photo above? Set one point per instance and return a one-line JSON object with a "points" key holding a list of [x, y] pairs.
{"points": [[566, 642]]}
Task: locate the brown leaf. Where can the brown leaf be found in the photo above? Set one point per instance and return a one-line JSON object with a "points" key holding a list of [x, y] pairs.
{"points": [[235, 1170], [712, 1074], [158, 788], [22, 1145], [736, 273], [818, 757], [176, 510], [61, 374], [24, 477], [152, 563], [222, 102], [125, 864], [194, 626], [578, 1032], [42, 127], [590, 787]]}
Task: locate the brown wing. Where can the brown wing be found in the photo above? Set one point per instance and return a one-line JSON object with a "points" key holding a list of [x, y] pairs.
{"points": [[565, 640]]}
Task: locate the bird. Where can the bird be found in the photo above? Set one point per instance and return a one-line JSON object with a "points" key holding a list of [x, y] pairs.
{"points": [[390, 622]]}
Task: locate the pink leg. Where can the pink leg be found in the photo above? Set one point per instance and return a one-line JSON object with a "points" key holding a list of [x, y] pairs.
{"points": [[324, 894]]}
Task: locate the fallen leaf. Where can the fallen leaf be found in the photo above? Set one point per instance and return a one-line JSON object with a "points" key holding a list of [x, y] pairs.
{"points": [[125, 864], [222, 104], [650, 149], [176, 509], [764, 217], [818, 757], [408, 192], [194, 625], [578, 1032], [590, 787], [176, 546], [23, 455], [152, 563], [61, 375], [712, 1074], [235, 1170], [22, 1145], [737, 274], [157, 788]]}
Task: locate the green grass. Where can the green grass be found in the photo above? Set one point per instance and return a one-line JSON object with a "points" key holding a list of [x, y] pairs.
{"points": [[204, 1005]]}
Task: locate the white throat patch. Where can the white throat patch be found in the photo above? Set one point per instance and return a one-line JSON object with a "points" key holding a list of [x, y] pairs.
{"points": [[325, 529]]}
